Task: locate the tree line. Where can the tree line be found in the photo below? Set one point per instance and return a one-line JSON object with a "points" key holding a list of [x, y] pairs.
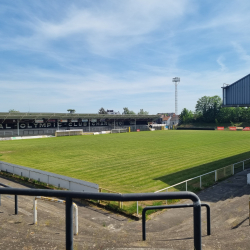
{"points": [[209, 109], [126, 111]]}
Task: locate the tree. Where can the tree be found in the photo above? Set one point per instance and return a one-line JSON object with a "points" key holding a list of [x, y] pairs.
{"points": [[71, 111], [142, 112], [207, 108], [13, 111], [126, 111], [186, 116], [102, 111]]}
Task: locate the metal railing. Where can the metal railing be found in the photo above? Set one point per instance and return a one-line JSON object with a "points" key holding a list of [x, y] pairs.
{"points": [[57, 201], [16, 198], [173, 206], [105, 190], [214, 176], [69, 195]]}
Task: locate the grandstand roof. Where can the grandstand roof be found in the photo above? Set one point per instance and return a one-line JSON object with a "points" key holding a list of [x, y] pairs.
{"points": [[29, 115]]}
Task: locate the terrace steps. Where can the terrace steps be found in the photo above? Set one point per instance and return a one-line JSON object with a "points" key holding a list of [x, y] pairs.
{"points": [[98, 229]]}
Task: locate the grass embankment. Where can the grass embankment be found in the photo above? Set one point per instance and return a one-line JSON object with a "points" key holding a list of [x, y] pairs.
{"points": [[131, 162]]}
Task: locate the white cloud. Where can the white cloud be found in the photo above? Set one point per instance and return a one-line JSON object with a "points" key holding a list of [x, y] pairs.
{"points": [[241, 52], [221, 64]]}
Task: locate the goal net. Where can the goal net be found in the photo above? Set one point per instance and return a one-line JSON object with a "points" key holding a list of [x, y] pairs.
{"points": [[119, 130], [68, 132]]}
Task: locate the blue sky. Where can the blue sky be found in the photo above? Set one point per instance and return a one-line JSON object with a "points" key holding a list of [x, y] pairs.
{"points": [[87, 54]]}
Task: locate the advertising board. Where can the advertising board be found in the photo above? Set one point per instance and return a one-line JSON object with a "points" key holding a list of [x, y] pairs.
{"points": [[220, 128], [232, 128], [246, 129]]}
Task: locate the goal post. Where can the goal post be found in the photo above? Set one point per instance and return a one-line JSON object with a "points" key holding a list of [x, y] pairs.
{"points": [[68, 132], [119, 130]]}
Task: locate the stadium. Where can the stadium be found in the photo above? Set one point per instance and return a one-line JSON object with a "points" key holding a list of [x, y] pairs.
{"points": [[101, 168]]}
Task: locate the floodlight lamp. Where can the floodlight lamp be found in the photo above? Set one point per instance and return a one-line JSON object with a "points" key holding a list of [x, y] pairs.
{"points": [[176, 79]]}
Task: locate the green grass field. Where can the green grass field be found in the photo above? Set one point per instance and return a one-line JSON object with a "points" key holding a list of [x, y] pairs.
{"points": [[131, 162]]}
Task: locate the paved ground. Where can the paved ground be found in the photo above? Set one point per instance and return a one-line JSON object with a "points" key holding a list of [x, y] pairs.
{"points": [[99, 229]]}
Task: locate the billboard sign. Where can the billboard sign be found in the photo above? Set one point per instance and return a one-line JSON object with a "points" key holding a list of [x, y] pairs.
{"points": [[246, 129], [232, 128], [220, 128]]}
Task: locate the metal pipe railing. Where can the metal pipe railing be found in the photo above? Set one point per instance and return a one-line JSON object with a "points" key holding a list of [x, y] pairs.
{"points": [[112, 197], [173, 206], [16, 198]]}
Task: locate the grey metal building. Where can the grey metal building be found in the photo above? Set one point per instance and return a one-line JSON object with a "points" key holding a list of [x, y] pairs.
{"points": [[237, 94]]}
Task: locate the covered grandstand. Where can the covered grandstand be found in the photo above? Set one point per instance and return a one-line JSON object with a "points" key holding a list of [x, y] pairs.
{"points": [[26, 123]]}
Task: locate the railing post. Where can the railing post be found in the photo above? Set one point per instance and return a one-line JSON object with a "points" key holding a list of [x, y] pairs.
{"points": [[16, 204], [200, 183], [243, 165], [208, 221], [100, 190], [186, 186], [35, 211], [137, 208], [166, 200], [197, 225], [215, 176], [69, 223], [233, 170], [144, 224], [76, 220]]}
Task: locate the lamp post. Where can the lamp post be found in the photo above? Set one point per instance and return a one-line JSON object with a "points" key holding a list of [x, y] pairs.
{"points": [[176, 80]]}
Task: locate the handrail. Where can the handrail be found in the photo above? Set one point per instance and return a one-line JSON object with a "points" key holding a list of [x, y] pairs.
{"points": [[112, 197], [57, 201], [16, 198], [174, 206]]}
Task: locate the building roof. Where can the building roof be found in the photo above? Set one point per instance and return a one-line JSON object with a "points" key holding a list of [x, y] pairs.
{"points": [[166, 118], [30, 116]]}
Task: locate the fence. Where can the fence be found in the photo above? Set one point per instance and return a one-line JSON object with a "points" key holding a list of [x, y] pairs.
{"points": [[193, 184], [202, 181], [208, 179], [50, 178], [112, 197]]}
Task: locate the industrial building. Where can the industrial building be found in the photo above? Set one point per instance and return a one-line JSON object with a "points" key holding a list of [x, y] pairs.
{"points": [[237, 94]]}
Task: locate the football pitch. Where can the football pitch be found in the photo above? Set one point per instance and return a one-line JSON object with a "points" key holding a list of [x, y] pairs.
{"points": [[131, 162]]}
